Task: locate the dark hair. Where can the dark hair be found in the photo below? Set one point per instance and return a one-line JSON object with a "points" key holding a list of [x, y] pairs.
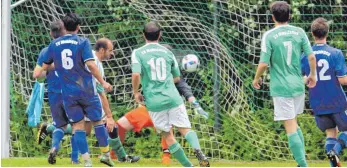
{"points": [[101, 43], [281, 11], [56, 28], [152, 31], [320, 28], [71, 21]]}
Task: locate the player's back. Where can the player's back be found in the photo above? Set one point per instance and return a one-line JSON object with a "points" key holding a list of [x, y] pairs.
{"points": [[53, 83], [327, 96], [70, 52], [285, 44], [157, 64]]}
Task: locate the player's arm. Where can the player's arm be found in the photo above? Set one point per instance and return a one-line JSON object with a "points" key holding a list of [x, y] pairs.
{"points": [[340, 68], [88, 58], [306, 46], [136, 77], [175, 70], [265, 56], [44, 63], [94, 70]]}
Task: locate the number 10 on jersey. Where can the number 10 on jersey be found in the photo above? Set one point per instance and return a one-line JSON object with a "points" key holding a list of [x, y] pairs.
{"points": [[158, 68]]}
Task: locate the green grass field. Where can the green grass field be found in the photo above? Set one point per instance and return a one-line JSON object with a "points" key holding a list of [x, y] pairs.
{"points": [[65, 162]]}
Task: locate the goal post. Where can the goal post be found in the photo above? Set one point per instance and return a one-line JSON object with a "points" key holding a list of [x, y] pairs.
{"points": [[5, 77]]}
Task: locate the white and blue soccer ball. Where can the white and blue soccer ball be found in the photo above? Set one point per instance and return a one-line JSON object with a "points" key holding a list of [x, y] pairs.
{"points": [[190, 63]]}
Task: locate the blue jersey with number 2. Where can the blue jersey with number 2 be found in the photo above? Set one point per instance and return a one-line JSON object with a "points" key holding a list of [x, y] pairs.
{"points": [[327, 96], [69, 54]]}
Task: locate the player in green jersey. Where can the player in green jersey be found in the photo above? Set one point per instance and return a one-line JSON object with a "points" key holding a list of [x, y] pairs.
{"points": [[281, 49], [156, 68]]}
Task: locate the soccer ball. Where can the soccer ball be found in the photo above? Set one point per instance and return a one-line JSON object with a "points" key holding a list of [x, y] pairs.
{"points": [[190, 63]]}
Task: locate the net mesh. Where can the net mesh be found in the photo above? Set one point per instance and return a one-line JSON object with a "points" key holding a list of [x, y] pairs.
{"points": [[224, 34]]}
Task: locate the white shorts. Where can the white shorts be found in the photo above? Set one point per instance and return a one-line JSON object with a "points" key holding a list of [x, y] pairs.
{"points": [[176, 116], [287, 108]]}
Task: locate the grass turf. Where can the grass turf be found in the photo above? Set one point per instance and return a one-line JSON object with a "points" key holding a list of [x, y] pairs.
{"points": [[65, 162]]}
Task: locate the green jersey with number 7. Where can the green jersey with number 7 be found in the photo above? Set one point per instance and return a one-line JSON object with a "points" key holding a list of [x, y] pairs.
{"points": [[281, 49], [157, 66]]}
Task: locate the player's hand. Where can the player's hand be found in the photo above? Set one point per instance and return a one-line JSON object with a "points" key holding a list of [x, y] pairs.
{"points": [[107, 86], [139, 98], [311, 81], [110, 123], [257, 83]]}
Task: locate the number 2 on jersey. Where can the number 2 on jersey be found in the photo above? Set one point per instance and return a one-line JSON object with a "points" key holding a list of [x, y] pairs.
{"points": [[158, 68], [325, 64], [66, 59]]}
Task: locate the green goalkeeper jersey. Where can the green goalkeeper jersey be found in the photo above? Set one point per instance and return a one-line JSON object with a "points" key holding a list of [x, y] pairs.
{"points": [[157, 66], [281, 49]]}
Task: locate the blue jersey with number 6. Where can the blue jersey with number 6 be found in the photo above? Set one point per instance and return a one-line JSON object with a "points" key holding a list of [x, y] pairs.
{"points": [[69, 54], [327, 96]]}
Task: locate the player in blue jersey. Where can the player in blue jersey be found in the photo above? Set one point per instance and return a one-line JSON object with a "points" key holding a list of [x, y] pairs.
{"points": [[60, 120], [72, 55], [327, 99]]}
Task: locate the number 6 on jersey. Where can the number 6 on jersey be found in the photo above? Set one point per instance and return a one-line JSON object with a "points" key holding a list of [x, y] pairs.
{"points": [[66, 59]]}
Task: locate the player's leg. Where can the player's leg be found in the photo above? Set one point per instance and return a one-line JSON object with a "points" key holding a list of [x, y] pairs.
{"points": [[166, 157], [60, 122], [118, 148], [341, 121], [89, 126], [75, 114], [286, 109], [123, 127], [178, 117], [48, 128], [93, 109], [163, 126]]}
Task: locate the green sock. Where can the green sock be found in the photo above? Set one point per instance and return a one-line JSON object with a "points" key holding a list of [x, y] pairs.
{"points": [[117, 147], [192, 139], [301, 136], [50, 128], [177, 151], [68, 129], [296, 147]]}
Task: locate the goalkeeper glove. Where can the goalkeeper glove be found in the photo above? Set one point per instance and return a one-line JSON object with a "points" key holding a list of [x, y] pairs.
{"points": [[199, 110]]}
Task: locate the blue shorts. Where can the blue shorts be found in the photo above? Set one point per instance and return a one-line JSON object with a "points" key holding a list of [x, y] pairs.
{"points": [[327, 121], [57, 109], [77, 107]]}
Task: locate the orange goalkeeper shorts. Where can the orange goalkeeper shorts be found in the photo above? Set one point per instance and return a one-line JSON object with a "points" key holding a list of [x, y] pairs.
{"points": [[139, 118]]}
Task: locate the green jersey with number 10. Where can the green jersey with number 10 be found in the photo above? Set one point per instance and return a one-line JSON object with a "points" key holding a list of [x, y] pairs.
{"points": [[157, 66], [281, 49]]}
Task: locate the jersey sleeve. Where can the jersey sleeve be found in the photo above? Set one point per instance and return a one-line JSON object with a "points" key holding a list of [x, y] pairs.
{"points": [[87, 53], [340, 68], [266, 49], [306, 46], [303, 64], [135, 63], [48, 57], [175, 70], [42, 54]]}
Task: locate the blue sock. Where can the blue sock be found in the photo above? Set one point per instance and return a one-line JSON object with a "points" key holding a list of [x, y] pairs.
{"points": [[341, 142], [81, 141], [74, 147], [57, 136], [102, 136]]}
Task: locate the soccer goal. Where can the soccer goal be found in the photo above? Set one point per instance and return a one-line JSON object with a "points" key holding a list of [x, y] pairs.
{"points": [[224, 34]]}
